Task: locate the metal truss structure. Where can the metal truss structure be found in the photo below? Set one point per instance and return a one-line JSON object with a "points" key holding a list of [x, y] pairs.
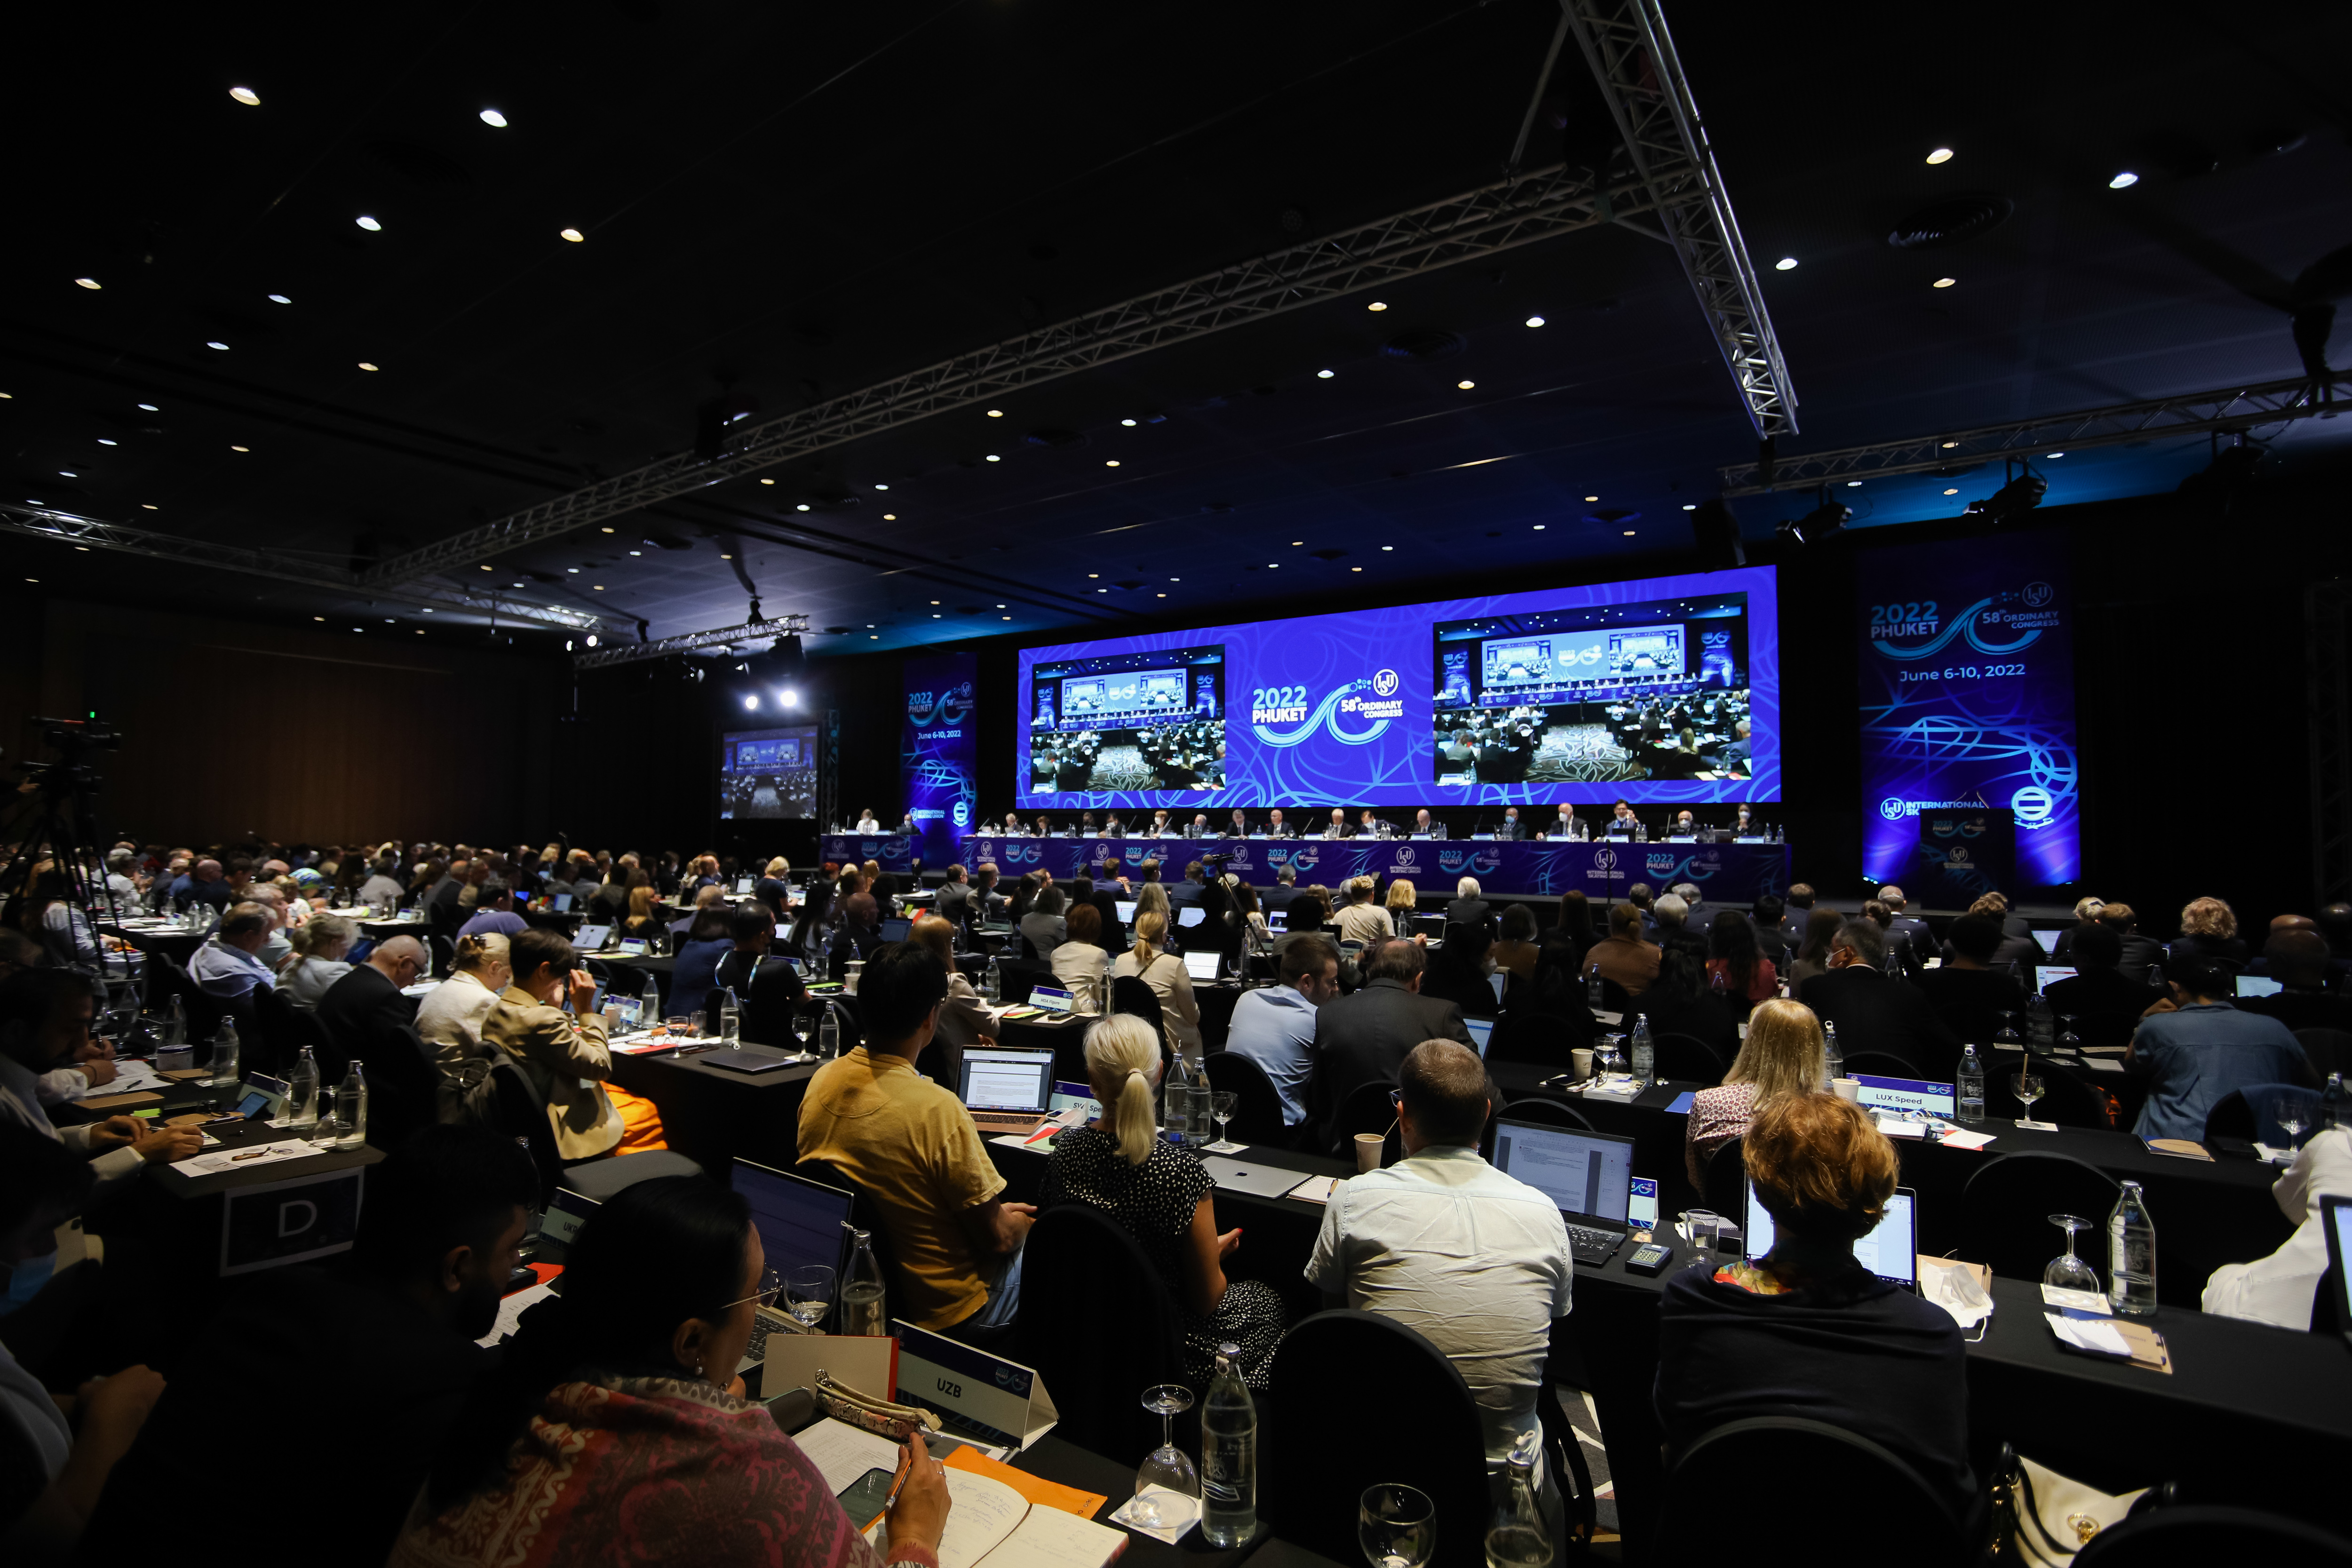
{"points": [[1633, 58], [2235, 408], [1496, 217], [752, 631], [90, 533]]}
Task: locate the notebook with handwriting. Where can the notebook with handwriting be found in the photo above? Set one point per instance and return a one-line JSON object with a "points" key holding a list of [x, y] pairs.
{"points": [[989, 1522]]}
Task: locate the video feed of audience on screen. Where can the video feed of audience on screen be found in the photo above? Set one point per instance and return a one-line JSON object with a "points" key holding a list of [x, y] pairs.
{"points": [[1597, 694], [768, 773], [1151, 720]]}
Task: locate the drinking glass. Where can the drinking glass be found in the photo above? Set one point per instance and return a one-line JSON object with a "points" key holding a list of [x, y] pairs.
{"points": [[2007, 1034], [1167, 1468], [678, 1027], [698, 1022], [1396, 1526], [2069, 1038], [2070, 1272], [2292, 1114], [2029, 1089], [1223, 1103], [803, 1030], [1705, 1237], [808, 1293]]}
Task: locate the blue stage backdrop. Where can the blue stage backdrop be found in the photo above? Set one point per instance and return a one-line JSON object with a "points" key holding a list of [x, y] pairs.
{"points": [[1576, 694], [938, 752], [1967, 696]]}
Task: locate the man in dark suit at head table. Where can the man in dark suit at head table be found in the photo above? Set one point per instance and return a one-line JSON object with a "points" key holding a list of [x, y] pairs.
{"points": [[1873, 1011], [1363, 1038], [1566, 824], [1427, 826], [1237, 825], [1275, 827], [1511, 827]]}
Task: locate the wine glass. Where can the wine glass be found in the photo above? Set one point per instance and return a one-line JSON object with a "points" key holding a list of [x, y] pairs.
{"points": [[803, 1030], [2069, 1038], [1396, 1526], [2292, 1114], [1166, 1487], [2070, 1272], [2007, 1034], [1223, 1103], [808, 1293], [2029, 1089]]}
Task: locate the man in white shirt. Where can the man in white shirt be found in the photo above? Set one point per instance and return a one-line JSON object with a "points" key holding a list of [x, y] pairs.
{"points": [[382, 884], [45, 1018], [1475, 1261], [2279, 1288], [1275, 1027], [867, 822], [229, 966]]}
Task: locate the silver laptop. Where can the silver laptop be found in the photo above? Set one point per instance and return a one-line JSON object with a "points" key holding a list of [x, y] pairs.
{"points": [[1201, 963], [1263, 1181], [1005, 1089]]}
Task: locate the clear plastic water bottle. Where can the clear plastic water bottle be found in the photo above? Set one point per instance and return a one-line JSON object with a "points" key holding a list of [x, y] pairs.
{"points": [[1201, 1130], [1970, 1088], [2131, 1255], [1832, 1060], [730, 1020], [2040, 1034], [1228, 1456], [302, 1092], [224, 1053], [991, 983], [2331, 1102], [1719, 983], [1593, 993], [350, 1105], [1515, 1536], [862, 1310], [828, 1037], [1646, 1053], [175, 1026], [1176, 1102]]}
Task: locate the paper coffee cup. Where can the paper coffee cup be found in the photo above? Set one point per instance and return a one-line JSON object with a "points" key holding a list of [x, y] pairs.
{"points": [[1847, 1088], [1583, 1056], [1367, 1151]]}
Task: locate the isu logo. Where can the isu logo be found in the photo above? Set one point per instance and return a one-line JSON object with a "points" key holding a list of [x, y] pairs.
{"points": [[1957, 855], [1384, 684], [1605, 860], [1891, 808], [1404, 856]]}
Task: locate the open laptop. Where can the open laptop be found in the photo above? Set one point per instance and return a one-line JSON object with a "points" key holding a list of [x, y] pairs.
{"points": [[895, 930], [561, 902], [1201, 963], [2259, 985], [1124, 910], [2045, 975], [1191, 914], [1589, 1174], [1890, 1251], [1005, 1089], [592, 939], [2048, 939], [799, 1222], [1277, 921], [1481, 1031]]}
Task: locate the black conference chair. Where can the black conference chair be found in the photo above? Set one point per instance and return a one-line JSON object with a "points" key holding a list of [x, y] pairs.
{"points": [[1744, 1466], [521, 1113], [1367, 1108], [1546, 1112], [2199, 1535], [1687, 1056], [1544, 1038], [2005, 1209], [1017, 977], [1723, 1184], [1614, 998], [2328, 1050], [1315, 1480], [2252, 1113], [1132, 996], [444, 951], [1090, 1297], [1882, 1064], [1257, 1114], [2065, 1099]]}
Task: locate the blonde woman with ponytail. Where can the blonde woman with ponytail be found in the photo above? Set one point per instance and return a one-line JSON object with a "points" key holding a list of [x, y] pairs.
{"points": [[1158, 1194], [1165, 974]]}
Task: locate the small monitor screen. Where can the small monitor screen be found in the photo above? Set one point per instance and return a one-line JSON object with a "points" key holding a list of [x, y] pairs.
{"points": [[566, 1213], [1005, 1079], [591, 938], [1126, 910], [2258, 985], [800, 1221], [896, 931], [2048, 975], [1277, 921], [562, 902], [2048, 939], [1587, 1173], [1481, 1031], [1191, 914], [1202, 964], [1890, 1251]]}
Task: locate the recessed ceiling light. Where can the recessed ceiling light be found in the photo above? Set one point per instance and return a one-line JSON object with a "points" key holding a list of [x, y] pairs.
{"points": [[1629, 533], [1535, 320], [488, 568], [803, 507], [83, 548], [936, 617], [245, 96], [68, 474], [367, 222], [494, 120], [2123, 181], [1102, 590], [108, 441], [236, 448], [604, 531], [1950, 445], [148, 506], [597, 587], [389, 620], [279, 300], [1946, 282], [1854, 484], [1539, 528], [1319, 375], [996, 413], [318, 617], [1094, 574], [1377, 305], [993, 458], [2053, 454], [1126, 421], [1171, 580], [889, 517], [1000, 606], [874, 639], [1591, 497], [1355, 569], [148, 406], [222, 347], [36, 579], [1786, 264], [1005, 618], [1274, 565], [767, 482], [1112, 463], [574, 570], [90, 282], [1940, 155], [881, 487], [365, 365], [573, 234], [420, 631], [1296, 542], [934, 601], [1388, 547], [1465, 385], [633, 553], [1951, 493], [1690, 506]]}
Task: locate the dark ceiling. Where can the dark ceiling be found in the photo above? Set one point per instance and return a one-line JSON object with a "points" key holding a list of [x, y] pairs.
{"points": [[784, 204]]}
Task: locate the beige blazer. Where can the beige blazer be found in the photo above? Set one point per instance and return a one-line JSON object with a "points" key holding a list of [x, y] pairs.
{"points": [[566, 1057]]}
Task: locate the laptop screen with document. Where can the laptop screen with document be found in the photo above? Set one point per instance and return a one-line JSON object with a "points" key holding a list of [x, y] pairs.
{"points": [[799, 1221], [1589, 1174], [1001, 1078]]}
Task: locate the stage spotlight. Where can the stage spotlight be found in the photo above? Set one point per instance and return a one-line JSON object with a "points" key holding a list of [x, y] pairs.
{"points": [[2231, 474], [788, 697], [1827, 518], [2013, 501], [752, 702]]}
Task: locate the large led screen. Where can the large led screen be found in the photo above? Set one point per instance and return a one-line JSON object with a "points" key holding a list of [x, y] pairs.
{"points": [[768, 773], [1661, 689]]}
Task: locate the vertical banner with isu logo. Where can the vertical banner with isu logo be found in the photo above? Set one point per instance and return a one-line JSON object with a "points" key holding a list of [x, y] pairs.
{"points": [[1967, 698], [938, 752]]}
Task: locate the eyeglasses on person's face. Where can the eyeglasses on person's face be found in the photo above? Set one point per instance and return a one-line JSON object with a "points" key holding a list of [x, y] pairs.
{"points": [[772, 1285]]}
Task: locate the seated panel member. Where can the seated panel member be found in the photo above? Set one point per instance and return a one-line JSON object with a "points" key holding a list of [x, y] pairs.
{"points": [[1565, 824], [1511, 829], [1426, 826], [1275, 827], [912, 1146], [1338, 827], [1237, 825], [1622, 818]]}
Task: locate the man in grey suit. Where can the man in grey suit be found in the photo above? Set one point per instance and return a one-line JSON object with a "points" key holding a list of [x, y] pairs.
{"points": [[1363, 1039]]}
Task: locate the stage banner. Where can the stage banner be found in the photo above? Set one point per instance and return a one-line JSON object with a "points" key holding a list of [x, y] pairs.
{"points": [[938, 752], [1967, 696]]}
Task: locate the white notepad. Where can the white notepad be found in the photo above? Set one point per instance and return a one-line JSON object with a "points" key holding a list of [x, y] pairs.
{"points": [[989, 1522]]}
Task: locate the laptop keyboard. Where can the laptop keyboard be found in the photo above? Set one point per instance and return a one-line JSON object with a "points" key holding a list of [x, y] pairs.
{"points": [[1593, 1247]]}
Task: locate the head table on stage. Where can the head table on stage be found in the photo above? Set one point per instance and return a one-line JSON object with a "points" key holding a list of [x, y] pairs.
{"points": [[1735, 873], [893, 852]]}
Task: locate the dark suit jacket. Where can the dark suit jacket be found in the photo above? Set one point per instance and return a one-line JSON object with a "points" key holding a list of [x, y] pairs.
{"points": [[2139, 952], [2301, 1009], [2108, 1004], [1772, 943], [1970, 1000], [1499, 765], [769, 994], [1873, 1013], [1363, 1039], [365, 1016], [1467, 911], [1106, 903], [851, 941], [1511, 830], [1304, 913], [1914, 930]]}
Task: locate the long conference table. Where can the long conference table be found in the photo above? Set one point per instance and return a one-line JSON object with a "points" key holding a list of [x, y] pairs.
{"points": [[1730, 874]]}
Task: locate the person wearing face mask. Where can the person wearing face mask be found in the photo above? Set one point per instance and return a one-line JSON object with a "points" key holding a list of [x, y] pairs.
{"points": [[1511, 828], [1275, 1027], [440, 1232]]}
